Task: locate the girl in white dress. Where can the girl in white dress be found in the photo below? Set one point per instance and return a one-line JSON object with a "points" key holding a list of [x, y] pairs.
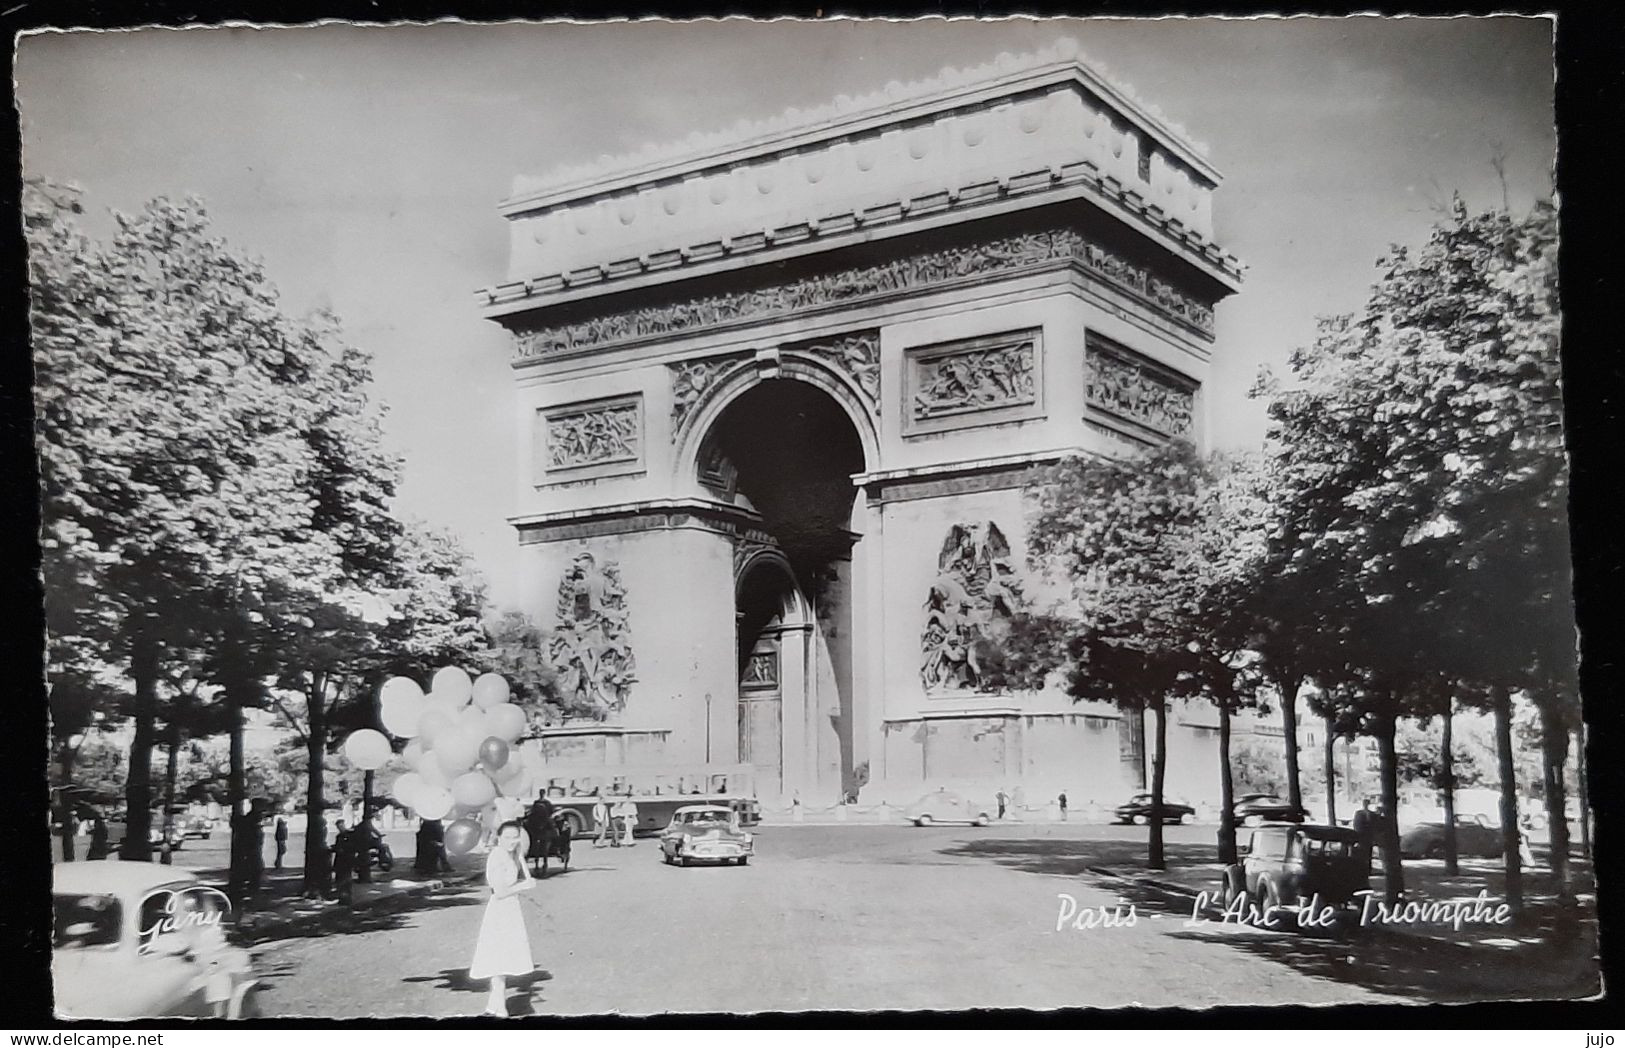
{"points": [[503, 948]]}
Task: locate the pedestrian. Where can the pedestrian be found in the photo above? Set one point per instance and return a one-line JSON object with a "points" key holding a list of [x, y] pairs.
{"points": [[503, 947], [600, 821], [1001, 798], [98, 838], [281, 840], [1364, 828], [1062, 801], [629, 821], [343, 864]]}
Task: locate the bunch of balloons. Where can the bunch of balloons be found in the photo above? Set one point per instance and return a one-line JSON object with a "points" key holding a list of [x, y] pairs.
{"points": [[462, 748]]}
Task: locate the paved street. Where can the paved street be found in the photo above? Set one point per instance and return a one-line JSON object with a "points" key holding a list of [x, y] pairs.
{"points": [[859, 917]]}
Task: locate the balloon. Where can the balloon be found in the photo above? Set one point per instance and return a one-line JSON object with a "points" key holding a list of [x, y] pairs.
{"points": [[407, 788], [433, 803], [521, 785], [508, 770], [473, 789], [490, 690], [434, 723], [473, 718], [462, 835], [402, 717], [400, 688], [429, 771], [493, 753], [413, 754], [506, 722], [367, 749], [452, 684], [456, 754]]}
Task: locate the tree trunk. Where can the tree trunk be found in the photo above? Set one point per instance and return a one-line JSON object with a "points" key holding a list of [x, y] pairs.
{"points": [[1227, 791], [1501, 707], [1447, 785], [1393, 872], [65, 804], [363, 871], [1554, 749], [1159, 767], [318, 870], [170, 768], [1289, 685], [1331, 772], [1584, 790], [144, 658], [240, 829]]}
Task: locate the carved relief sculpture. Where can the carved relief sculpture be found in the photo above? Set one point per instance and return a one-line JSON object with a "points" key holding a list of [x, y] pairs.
{"points": [[761, 670], [1120, 384], [591, 647], [974, 380], [590, 435], [856, 355], [689, 381], [916, 271], [975, 593]]}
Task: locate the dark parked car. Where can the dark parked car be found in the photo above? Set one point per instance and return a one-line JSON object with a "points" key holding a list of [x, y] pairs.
{"points": [[1285, 865], [1137, 810], [1474, 838], [1253, 808]]}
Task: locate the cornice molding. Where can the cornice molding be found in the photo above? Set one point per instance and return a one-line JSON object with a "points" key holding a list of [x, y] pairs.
{"points": [[895, 103]]}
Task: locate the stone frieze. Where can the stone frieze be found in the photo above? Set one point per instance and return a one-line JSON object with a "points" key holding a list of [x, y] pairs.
{"points": [[979, 378], [594, 434], [912, 272], [1124, 386]]}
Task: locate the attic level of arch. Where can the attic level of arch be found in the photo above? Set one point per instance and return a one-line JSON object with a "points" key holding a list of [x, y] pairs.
{"points": [[1074, 237]]}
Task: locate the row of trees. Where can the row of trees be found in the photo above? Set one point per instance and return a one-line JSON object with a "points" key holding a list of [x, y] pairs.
{"points": [[1399, 551], [218, 530]]}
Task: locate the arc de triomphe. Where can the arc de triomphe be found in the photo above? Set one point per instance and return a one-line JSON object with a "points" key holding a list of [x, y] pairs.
{"points": [[783, 386]]}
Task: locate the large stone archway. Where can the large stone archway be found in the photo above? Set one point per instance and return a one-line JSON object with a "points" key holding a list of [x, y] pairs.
{"points": [[789, 390]]}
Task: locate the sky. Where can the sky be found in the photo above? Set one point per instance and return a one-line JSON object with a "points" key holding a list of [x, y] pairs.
{"points": [[364, 165]]}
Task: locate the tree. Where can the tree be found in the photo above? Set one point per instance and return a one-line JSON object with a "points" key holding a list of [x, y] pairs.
{"points": [[518, 651], [1422, 468], [167, 453], [1139, 546]]}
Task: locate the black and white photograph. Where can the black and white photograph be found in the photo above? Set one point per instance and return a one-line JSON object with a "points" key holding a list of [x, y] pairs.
{"points": [[722, 517]]}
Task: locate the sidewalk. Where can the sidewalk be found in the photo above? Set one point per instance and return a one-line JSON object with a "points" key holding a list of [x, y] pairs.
{"points": [[281, 910]]}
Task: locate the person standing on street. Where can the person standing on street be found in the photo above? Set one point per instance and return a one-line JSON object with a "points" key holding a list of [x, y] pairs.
{"points": [[629, 821], [503, 947], [1363, 826], [281, 840], [600, 821], [98, 838], [1001, 798], [1062, 801]]}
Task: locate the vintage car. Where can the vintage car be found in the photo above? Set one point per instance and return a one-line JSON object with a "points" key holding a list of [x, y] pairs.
{"points": [[947, 806], [1137, 810], [1475, 838], [1251, 809], [139, 940], [1288, 866], [705, 833]]}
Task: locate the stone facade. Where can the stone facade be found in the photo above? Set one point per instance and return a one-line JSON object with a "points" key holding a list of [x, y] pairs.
{"points": [[785, 388]]}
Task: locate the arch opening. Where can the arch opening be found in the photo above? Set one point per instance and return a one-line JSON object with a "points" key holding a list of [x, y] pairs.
{"points": [[787, 449]]}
